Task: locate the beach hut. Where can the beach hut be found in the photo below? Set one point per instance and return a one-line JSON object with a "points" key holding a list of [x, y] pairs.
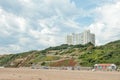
{"points": [[105, 67]]}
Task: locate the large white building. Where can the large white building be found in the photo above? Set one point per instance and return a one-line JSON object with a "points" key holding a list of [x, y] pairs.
{"points": [[80, 38]]}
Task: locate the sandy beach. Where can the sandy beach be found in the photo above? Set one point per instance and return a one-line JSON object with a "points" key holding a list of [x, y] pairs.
{"points": [[42, 74]]}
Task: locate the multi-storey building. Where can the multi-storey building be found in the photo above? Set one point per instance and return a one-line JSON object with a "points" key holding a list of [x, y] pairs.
{"points": [[80, 38]]}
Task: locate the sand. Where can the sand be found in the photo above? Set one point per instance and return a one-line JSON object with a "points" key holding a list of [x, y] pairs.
{"points": [[42, 74]]}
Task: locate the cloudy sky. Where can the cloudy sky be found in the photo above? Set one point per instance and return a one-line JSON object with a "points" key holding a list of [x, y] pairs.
{"points": [[37, 24]]}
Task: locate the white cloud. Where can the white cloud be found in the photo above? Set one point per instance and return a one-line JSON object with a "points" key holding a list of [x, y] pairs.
{"points": [[47, 8], [10, 23], [10, 49], [24, 40], [37, 24], [11, 26], [107, 26], [47, 36]]}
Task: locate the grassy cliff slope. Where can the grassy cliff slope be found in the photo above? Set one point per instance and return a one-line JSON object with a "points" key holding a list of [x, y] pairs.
{"points": [[66, 55]]}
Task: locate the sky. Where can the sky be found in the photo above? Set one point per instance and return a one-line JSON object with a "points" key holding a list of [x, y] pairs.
{"points": [[37, 24]]}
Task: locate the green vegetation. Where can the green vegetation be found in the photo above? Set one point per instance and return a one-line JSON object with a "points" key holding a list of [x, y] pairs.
{"points": [[110, 53], [84, 55]]}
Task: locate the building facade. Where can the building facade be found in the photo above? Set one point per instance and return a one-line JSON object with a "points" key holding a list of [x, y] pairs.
{"points": [[80, 38]]}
